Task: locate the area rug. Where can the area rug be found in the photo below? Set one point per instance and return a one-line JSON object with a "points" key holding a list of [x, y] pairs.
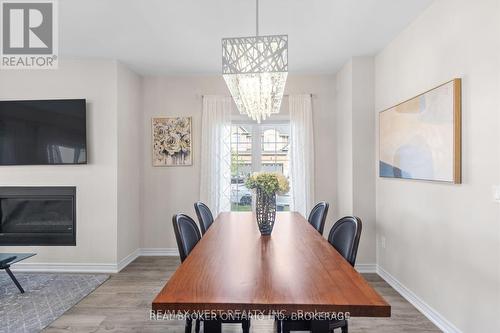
{"points": [[47, 296]]}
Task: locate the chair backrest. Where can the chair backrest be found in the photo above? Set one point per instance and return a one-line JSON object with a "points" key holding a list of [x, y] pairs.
{"points": [[344, 236], [205, 216], [186, 234], [317, 216]]}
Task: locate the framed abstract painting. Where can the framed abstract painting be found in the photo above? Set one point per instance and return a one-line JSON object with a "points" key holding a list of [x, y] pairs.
{"points": [[421, 137], [171, 141]]}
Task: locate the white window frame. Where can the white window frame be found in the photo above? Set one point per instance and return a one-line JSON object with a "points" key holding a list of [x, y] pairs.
{"points": [[256, 139]]}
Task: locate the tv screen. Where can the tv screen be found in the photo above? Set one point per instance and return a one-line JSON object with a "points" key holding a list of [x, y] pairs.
{"points": [[43, 132]]}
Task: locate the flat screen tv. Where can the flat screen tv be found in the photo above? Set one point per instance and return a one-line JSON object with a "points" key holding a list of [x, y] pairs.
{"points": [[43, 132]]}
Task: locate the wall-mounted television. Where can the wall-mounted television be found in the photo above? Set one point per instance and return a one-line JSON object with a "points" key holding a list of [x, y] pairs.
{"points": [[39, 132]]}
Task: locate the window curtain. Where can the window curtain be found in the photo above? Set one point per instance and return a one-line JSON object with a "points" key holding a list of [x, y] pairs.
{"points": [[301, 153], [215, 182]]}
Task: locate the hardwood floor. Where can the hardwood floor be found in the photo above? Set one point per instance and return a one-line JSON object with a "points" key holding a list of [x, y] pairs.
{"points": [[123, 302]]}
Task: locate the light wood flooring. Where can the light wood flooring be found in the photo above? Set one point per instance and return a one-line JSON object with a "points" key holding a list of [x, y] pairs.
{"points": [[123, 302]]}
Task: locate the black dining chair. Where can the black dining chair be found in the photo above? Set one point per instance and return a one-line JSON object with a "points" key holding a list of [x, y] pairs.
{"points": [[205, 216], [317, 216], [344, 237], [187, 236]]}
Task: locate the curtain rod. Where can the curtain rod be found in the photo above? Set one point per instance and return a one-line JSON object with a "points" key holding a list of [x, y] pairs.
{"points": [[285, 95]]}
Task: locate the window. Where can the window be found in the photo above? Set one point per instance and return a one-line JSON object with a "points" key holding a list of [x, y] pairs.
{"points": [[257, 147]]}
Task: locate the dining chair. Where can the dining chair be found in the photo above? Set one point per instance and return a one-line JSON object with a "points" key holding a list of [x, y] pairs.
{"points": [[317, 216], [205, 216], [187, 236], [344, 237]]}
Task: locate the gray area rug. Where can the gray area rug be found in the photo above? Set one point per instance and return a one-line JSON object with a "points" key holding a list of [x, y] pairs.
{"points": [[47, 296]]}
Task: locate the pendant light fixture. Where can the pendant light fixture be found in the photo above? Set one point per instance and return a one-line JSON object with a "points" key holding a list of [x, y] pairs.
{"points": [[255, 70]]}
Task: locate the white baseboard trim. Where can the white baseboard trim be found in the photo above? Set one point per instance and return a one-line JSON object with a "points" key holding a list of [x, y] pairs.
{"points": [[159, 251], [441, 322], [92, 267], [65, 267], [366, 268], [75, 267], [127, 260]]}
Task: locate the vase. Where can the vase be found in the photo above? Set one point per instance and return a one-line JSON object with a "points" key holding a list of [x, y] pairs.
{"points": [[265, 210]]}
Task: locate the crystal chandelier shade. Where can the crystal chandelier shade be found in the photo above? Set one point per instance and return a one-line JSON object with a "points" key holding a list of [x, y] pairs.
{"points": [[255, 70]]}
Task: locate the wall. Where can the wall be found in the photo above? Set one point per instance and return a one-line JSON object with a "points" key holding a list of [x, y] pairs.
{"points": [[343, 95], [355, 131], [443, 241], [96, 182], [168, 190], [130, 146], [109, 186]]}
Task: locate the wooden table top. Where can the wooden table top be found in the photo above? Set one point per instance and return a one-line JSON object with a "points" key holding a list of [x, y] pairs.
{"points": [[294, 269]]}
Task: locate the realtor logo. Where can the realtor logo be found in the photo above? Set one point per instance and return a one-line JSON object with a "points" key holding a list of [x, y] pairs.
{"points": [[29, 34]]}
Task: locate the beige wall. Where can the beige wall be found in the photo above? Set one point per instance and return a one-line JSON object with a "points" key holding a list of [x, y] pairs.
{"points": [[355, 152], [168, 190], [95, 182], [109, 186], [343, 129], [443, 241], [130, 148], [363, 131]]}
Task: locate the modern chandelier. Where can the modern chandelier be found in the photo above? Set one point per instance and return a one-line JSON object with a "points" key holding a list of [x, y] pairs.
{"points": [[255, 70]]}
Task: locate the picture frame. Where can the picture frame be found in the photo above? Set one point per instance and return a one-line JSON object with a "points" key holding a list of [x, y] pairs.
{"points": [[420, 138], [171, 141]]}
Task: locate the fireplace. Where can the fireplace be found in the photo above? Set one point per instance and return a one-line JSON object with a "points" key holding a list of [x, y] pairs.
{"points": [[37, 216]]}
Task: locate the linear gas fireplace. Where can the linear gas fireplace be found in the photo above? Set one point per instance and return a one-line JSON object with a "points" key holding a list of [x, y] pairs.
{"points": [[37, 216]]}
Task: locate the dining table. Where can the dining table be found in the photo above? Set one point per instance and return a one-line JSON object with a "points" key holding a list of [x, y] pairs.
{"points": [[294, 272]]}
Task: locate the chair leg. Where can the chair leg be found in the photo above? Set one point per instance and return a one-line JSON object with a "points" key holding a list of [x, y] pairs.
{"points": [[197, 326], [189, 324], [284, 327], [212, 326], [246, 326], [344, 328]]}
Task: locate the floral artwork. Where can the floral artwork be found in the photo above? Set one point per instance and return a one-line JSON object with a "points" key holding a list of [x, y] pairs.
{"points": [[172, 143]]}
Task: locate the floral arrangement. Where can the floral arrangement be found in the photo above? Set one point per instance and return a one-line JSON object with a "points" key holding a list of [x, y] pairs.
{"points": [[269, 182], [172, 141]]}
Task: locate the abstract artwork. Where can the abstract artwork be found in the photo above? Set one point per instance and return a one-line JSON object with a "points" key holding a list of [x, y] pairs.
{"points": [[172, 144], [421, 138]]}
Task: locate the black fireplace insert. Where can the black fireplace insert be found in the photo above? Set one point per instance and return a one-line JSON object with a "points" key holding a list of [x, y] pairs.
{"points": [[37, 216]]}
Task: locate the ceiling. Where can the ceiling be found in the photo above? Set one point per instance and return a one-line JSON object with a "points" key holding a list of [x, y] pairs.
{"points": [[156, 37]]}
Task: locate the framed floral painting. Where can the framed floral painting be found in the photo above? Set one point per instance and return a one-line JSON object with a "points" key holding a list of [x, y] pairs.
{"points": [[172, 142]]}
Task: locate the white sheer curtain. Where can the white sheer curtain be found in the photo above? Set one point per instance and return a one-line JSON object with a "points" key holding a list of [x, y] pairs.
{"points": [[215, 185], [301, 153]]}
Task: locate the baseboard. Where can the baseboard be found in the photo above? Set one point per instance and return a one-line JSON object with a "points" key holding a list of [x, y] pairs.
{"points": [[441, 322], [366, 268], [92, 267], [159, 251], [65, 267], [75, 267], [127, 260]]}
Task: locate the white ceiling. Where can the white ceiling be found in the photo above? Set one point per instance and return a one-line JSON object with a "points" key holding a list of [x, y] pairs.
{"points": [[156, 37]]}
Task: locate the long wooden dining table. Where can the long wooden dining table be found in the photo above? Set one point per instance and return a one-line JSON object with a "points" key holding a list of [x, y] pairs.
{"points": [[295, 270]]}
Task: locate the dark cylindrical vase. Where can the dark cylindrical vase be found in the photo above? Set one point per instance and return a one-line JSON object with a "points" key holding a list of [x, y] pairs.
{"points": [[265, 209]]}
